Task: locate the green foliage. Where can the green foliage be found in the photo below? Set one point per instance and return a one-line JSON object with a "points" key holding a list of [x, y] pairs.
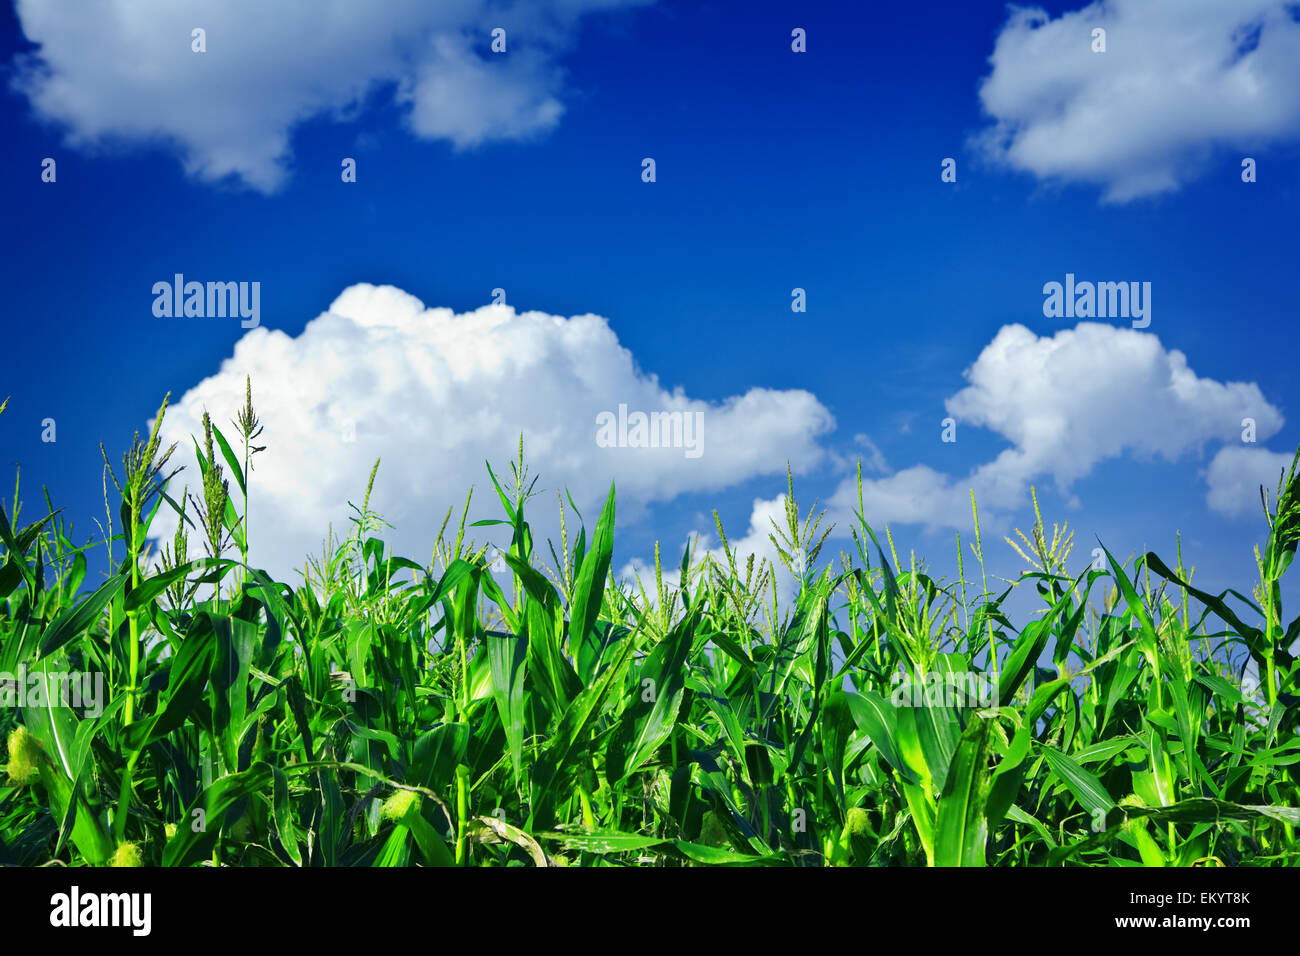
{"points": [[389, 713]]}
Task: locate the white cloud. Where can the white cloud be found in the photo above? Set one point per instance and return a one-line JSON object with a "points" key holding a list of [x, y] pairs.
{"points": [[1065, 403], [756, 542], [1236, 474], [124, 71], [873, 458], [1178, 79], [1094, 392], [456, 95], [435, 394], [917, 495]]}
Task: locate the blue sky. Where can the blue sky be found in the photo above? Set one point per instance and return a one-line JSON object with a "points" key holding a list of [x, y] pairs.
{"points": [[775, 170]]}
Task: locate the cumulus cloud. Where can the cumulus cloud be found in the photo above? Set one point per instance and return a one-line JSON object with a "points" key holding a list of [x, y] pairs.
{"points": [[1178, 79], [1236, 474], [1066, 403], [124, 71], [917, 495], [438, 393]]}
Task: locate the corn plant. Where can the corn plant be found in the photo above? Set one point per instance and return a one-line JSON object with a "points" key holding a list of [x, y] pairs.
{"points": [[494, 708]]}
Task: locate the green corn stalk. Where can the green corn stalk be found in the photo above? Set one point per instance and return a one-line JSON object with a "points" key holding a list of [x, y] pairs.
{"points": [[729, 711]]}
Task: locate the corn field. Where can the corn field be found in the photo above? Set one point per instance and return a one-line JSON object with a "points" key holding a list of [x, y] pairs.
{"points": [[394, 711]]}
